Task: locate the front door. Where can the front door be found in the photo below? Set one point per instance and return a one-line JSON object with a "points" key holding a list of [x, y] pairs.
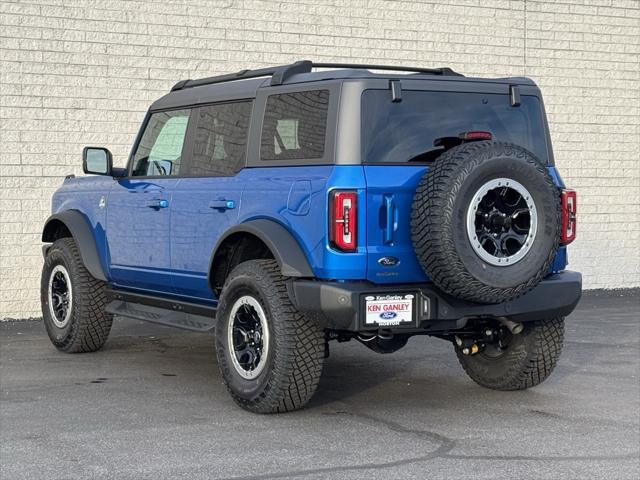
{"points": [[207, 202], [139, 207]]}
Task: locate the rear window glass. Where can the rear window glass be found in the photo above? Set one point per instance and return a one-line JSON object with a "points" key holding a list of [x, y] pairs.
{"points": [[295, 125], [221, 139], [407, 130]]}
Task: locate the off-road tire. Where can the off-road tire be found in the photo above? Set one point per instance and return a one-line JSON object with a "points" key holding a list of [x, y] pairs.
{"points": [[439, 229], [529, 359], [89, 324], [296, 353]]}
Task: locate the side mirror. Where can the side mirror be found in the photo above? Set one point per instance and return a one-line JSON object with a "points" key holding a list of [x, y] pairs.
{"points": [[97, 160]]}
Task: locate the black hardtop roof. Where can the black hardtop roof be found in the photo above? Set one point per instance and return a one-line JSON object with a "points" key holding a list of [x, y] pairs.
{"points": [[245, 83]]}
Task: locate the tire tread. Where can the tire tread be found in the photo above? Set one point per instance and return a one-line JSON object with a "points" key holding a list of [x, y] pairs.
{"points": [[299, 345], [542, 351], [432, 216], [90, 323]]}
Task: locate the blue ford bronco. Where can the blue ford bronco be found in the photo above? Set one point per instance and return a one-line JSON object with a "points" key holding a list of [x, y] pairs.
{"points": [[292, 206]]}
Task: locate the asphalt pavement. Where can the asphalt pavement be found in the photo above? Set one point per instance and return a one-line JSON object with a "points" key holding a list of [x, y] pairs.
{"points": [[151, 405]]}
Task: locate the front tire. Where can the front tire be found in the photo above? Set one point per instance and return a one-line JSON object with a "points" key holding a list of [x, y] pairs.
{"points": [[269, 354], [527, 361], [73, 302]]}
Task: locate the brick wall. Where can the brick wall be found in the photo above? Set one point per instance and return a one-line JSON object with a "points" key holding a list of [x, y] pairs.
{"points": [[74, 73]]}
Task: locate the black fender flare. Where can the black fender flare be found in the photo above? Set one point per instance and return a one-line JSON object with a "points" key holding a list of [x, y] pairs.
{"points": [[82, 234], [285, 248]]}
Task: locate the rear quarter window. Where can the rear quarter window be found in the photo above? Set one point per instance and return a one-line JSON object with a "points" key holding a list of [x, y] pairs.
{"points": [[295, 125]]}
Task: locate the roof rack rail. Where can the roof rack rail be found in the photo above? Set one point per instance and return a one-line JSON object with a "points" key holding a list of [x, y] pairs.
{"points": [[394, 68], [281, 73]]}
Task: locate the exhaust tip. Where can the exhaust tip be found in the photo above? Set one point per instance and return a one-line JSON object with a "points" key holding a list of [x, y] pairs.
{"points": [[514, 327]]}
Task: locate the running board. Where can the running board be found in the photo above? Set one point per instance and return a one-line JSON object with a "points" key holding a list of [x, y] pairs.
{"points": [[169, 312]]}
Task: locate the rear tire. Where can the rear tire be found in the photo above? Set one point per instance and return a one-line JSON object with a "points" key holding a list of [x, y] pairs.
{"points": [[269, 354], [528, 360], [73, 302]]}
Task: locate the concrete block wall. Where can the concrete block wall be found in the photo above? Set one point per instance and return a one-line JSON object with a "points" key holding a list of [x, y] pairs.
{"points": [[82, 72]]}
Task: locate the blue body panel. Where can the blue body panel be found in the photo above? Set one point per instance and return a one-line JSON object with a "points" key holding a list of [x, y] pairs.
{"points": [[139, 234], [161, 232], [84, 195], [196, 226], [297, 198], [389, 226]]}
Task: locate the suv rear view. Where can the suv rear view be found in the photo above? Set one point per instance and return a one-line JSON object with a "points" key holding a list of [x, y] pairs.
{"points": [[288, 208]]}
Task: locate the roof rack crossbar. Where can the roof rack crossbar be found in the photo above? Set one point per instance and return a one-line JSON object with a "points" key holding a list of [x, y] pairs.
{"points": [[281, 73]]}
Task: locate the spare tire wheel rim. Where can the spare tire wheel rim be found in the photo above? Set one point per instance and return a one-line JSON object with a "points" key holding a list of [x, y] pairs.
{"points": [[502, 222], [248, 337], [60, 296]]}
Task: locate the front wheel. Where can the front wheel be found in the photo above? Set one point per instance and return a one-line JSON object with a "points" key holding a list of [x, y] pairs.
{"points": [[269, 354], [73, 302], [526, 360]]}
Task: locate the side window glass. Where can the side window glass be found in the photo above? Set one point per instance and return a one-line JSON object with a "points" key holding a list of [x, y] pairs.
{"points": [[295, 125], [220, 145], [287, 130], [160, 149]]}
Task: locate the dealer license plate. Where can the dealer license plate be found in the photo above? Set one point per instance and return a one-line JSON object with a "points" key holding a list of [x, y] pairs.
{"points": [[389, 310]]}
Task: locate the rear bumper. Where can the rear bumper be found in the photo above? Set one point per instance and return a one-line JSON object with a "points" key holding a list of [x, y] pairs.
{"points": [[342, 304]]}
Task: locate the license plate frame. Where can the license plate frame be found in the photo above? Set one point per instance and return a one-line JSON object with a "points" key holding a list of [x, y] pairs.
{"points": [[390, 310]]}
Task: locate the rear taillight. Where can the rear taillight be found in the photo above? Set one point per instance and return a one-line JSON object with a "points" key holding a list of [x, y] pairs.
{"points": [[568, 232], [343, 220]]}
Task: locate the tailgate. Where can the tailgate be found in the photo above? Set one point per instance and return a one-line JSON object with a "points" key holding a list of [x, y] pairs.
{"points": [[390, 255]]}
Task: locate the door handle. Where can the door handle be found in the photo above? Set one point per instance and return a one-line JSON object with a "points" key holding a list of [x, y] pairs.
{"points": [[222, 205], [390, 220], [158, 204]]}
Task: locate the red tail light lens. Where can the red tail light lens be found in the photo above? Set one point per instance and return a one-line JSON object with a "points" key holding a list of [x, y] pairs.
{"points": [[343, 220], [568, 232]]}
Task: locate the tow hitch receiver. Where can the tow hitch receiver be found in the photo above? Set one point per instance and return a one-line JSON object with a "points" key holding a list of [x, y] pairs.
{"points": [[495, 336]]}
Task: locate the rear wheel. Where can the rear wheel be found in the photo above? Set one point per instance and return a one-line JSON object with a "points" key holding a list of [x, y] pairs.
{"points": [[73, 302], [270, 355], [523, 361]]}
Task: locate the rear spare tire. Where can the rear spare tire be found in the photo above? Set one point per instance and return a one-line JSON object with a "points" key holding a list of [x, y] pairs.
{"points": [[485, 221]]}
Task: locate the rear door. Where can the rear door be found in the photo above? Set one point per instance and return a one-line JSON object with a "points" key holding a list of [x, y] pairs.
{"points": [[400, 141], [206, 203], [139, 206], [390, 254]]}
